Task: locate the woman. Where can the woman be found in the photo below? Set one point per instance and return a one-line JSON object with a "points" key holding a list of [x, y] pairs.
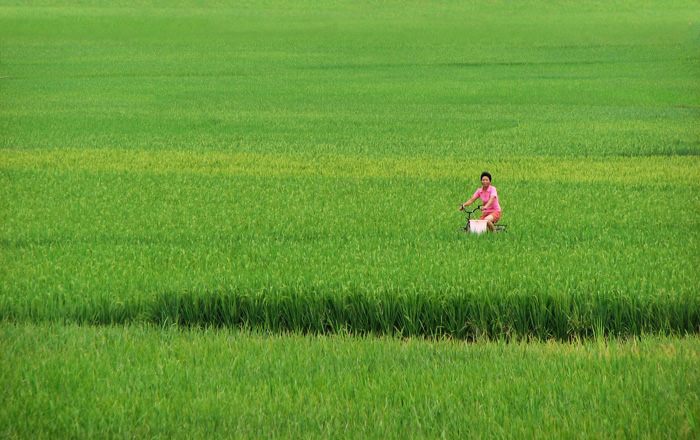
{"points": [[491, 210]]}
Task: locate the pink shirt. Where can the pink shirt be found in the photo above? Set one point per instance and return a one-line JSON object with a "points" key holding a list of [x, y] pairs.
{"points": [[486, 196]]}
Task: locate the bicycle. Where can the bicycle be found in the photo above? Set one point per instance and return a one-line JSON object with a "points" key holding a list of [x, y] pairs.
{"points": [[479, 226]]}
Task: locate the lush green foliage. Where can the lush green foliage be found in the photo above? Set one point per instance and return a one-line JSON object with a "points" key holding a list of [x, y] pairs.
{"points": [[73, 382], [240, 240], [298, 166], [458, 79]]}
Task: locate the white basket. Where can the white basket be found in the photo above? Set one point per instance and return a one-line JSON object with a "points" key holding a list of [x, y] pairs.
{"points": [[477, 226]]}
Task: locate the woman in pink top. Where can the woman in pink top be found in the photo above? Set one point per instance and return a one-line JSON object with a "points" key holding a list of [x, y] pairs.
{"points": [[491, 210]]}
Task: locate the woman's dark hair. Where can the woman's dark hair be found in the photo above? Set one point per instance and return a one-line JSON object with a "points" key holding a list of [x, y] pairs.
{"points": [[487, 174]]}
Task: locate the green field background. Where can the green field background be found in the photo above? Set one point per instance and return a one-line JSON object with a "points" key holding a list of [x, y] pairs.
{"points": [[153, 153], [132, 382], [237, 219], [465, 80]]}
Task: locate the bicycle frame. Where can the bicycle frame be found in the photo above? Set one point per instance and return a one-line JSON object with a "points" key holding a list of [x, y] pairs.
{"points": [[466, 228]]}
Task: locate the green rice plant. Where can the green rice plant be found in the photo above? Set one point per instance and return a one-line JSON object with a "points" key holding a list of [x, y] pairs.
{"points": [[127, 381], [419, 313], [446, 80], [300, 171]]}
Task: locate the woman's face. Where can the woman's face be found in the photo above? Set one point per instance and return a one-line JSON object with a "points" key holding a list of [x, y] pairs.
{"points": [[485, 181]]}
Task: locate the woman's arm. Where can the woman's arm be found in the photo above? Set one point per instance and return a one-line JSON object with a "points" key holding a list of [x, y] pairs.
{"points": [[467, 203], [489, 203]]}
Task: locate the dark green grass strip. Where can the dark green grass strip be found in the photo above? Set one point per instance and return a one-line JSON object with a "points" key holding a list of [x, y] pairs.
{"points": [[461, 315]]}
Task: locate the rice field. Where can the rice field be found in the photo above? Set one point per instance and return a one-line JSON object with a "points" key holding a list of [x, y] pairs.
{"points": [[126, 382], [323, 243], [184, 182]]}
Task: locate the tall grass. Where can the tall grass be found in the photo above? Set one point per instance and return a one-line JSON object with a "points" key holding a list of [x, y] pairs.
{"points": [[321, 246], [297, 166], [463, 315], [134, 381], [447, 80]]}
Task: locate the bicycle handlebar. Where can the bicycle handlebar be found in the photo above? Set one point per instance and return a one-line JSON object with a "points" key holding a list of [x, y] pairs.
{"points": [[472, 211]]}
